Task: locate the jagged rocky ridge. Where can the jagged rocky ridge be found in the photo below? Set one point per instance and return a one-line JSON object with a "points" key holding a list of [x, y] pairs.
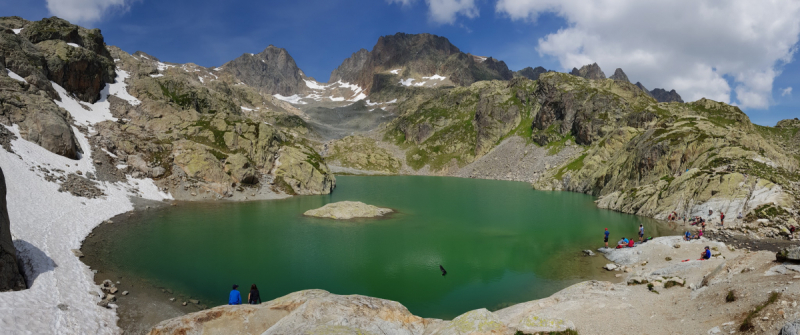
{"points": [[192, 129], [418, 54]]}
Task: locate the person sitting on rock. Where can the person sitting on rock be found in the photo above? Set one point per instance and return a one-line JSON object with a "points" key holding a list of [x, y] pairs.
{"points": [[706, 254], [631, 243], [235, 297], [254, 297], [622, 243], [687, 236]]}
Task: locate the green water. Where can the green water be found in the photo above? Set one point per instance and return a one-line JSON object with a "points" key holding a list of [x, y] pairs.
{"points": [[501, 243]]}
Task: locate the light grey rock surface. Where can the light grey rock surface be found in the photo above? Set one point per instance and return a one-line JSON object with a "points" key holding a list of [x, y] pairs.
{"points": [[344, 210]]}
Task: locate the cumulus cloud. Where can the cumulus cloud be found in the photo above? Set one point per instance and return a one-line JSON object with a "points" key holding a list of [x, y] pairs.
{"points": [[786, 91], [85, 11], [446, 11], [692, 46]]}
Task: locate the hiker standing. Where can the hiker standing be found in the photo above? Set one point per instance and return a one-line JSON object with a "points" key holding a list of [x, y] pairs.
{"points": [[721, 219], [605, 239], [641, 233]]}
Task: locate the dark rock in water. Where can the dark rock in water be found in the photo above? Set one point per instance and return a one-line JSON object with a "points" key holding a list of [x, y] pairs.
{"points": [[273, 71], [620, 75], [444, 272], [591, 71], [10, 275], [661, 95], [531, 73]]}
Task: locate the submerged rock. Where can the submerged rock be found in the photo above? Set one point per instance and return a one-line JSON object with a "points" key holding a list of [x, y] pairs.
{"points": [[344, 210]]}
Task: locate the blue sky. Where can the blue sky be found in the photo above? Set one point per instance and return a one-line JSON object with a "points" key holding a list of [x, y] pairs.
{"points": [[319, 34]]}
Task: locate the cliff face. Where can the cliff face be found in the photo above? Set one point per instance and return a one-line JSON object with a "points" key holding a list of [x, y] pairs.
{"points": [[272, 71], [10, 275], [420, 55]]}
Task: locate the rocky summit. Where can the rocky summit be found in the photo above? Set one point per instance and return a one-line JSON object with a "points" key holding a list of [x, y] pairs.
{"points": [[407, 55], [345, 210]]}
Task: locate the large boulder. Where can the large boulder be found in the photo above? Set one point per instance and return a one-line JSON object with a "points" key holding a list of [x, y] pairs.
{"points": [[789, 254], [40, 120], [344, 210], [302, 171], [791, 328], [10, 275], [304, 312]]}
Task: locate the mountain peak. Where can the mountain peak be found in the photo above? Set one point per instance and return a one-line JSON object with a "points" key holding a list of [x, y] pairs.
{"points": [[418, 54], [273, 71], [620, 76], [531, 73], [591, 71]]}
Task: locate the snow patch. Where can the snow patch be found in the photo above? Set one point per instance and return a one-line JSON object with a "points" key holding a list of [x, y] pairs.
{"points": [[360, 96], [163, 66], [292, 99], [314, 85], [89, 114], [16, 76], [156, 75], [46, 225], [17, 31], [247, 109], [395, 71], [435, 77], [73, 45], [201, 80], [407, 82]]}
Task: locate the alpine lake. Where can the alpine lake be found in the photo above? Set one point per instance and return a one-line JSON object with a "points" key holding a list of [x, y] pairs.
{"points": [[501, 243]]}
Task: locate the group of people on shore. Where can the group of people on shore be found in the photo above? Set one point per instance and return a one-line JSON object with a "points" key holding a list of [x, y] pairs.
{"points": [[625, 242], [235, 298]]}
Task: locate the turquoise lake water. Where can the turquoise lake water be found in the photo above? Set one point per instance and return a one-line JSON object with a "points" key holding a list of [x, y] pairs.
{"points": [[501, 243]]}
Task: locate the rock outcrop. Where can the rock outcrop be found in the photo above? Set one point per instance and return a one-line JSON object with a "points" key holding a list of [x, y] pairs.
{"points": [[531, 73], [662, 95], [273, 71], [420, 55], [789, 254], [620, 75], [591, 71], [76, 58], [10, 275], [345, 210], [320, 312]]}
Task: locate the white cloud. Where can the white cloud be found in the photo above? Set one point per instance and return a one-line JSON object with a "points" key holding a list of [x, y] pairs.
{"points": [[446, 11], [85, 11], [689, 45], [786, 91]]}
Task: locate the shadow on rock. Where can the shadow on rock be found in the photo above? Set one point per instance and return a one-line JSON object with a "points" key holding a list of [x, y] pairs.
{"points": [[33, 261]]}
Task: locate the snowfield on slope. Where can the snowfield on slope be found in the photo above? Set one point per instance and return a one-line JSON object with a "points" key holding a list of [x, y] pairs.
{"points": [[47, 224]]}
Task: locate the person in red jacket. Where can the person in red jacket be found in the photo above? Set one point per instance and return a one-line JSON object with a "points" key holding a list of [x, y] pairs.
{"points": [[721, 218]]}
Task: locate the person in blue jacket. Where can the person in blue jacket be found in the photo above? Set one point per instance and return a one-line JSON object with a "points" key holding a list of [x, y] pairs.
{"points": [[706, 254], [235, 297]]}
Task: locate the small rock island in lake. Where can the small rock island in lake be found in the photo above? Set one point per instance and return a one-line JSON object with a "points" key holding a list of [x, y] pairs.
{"points": [[344, 210]]}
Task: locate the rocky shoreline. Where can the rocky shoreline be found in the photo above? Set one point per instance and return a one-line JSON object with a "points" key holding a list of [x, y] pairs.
{"points": [[664, 288]]}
